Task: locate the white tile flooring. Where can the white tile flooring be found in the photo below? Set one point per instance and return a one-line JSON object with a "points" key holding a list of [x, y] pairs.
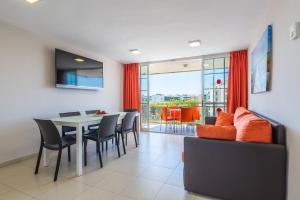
{"points": [[153, 171]]}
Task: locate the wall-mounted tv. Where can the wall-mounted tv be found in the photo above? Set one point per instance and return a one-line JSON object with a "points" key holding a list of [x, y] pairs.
{"points": [[74, 71]]}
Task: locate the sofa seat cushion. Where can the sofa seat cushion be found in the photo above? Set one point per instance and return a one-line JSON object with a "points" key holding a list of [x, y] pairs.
{"points": [[251, 128], [224, 119], [216, 132]]}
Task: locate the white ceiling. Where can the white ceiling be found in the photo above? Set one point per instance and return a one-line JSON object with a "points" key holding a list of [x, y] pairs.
{"points": [[159, 28]]}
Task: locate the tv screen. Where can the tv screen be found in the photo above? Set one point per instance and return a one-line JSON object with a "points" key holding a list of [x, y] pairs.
{"points": [[74, 71]]}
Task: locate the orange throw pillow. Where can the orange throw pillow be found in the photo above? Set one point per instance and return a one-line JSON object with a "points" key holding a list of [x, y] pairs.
{"points": [[216, 132], [251, 128], [224, 119], [240, 112]]}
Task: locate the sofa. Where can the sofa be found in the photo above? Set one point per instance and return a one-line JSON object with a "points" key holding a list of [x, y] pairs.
{"points": [[234, 170]]}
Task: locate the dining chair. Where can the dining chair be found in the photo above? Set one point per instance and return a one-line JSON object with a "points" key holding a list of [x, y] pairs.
{"points": [[68, 129], [126, 127], [105, 132], [92, 112], [51, 139]]}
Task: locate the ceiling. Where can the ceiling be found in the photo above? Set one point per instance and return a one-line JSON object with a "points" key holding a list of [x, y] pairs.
{"points": [[160, 29]]}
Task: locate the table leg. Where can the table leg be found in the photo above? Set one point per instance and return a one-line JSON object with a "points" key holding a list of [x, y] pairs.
{"points": [[79, 150], [138, 127], [45, 157]]}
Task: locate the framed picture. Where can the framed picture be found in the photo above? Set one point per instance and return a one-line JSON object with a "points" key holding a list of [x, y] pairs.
{"points": [[261, 68]]}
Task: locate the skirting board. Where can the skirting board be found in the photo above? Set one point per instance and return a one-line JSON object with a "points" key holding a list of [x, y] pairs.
{"points": [[10, 162]]}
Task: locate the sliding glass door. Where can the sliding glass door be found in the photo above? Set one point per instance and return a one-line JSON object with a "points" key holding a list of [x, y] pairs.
{"points": [[211, 79], [144, 87]]}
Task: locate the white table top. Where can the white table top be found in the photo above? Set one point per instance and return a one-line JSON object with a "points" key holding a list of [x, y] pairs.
{"points": [[84, 119]]}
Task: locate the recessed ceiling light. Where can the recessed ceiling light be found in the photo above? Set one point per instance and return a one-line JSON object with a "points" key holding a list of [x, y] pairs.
{"points": [[135, 51], [79, 60], [195, 43], [32, 1]]}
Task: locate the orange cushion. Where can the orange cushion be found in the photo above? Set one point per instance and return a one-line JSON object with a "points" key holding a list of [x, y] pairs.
{"points": [[240, 112], [251, 128], [224, 119], [216, 132]]}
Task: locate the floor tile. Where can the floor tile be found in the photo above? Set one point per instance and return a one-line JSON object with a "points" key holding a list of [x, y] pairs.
{"points": [[114, 182], [95, 194], [155, 173], [167, 192], [142, 189]]}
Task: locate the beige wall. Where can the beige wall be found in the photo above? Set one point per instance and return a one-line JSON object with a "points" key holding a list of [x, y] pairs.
{"points": [[282, 103], [27, 89]]}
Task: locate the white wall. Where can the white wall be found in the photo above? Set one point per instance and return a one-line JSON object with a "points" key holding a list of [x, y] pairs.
{"points": [[27, 80], [282, 103]]}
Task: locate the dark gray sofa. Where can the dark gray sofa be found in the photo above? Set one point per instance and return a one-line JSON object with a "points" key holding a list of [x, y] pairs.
{"points": [[237, 171]]}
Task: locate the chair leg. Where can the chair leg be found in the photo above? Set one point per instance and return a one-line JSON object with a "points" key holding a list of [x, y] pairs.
{"points": [[102, 146], [118, 148], [69, 153], [126, 139], [135, 139], [57, 164], [100, 157], [97, 149], [106, 145], [85, 154], [122, 136], [38, 160]]}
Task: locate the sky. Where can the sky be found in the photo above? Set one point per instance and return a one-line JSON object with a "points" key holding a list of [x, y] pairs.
{"points": [[175, 83]]}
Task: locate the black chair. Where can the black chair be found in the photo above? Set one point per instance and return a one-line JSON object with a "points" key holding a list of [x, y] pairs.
{"points": [[105, 132], [50, 139], [127, 126], [92, 112], [68, 129]]}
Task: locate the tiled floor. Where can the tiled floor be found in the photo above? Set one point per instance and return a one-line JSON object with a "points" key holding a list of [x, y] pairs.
{"points": [[153, 171]]}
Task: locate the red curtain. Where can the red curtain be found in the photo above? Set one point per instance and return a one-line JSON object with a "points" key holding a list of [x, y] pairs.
{"points": [[131, 90], [238, 81]]}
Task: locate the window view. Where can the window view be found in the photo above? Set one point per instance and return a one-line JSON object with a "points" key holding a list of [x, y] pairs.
{"points": [[200, 85]]}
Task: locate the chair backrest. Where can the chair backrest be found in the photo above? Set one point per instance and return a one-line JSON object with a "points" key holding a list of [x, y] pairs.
{"points": [[107, 126], [48, 131], [174, 114], [69, 114], [187, 114], [196, 114], [128, 121], [91, 112], [164, 113]]}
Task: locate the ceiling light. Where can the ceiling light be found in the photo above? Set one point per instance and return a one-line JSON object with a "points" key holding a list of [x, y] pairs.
{"points": [[32, 1], [135, 51], [79, 60], [195, 43]]}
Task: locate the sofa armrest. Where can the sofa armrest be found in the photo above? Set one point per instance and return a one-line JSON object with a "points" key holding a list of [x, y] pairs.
{"points": [[234, 170], [210, 120]]}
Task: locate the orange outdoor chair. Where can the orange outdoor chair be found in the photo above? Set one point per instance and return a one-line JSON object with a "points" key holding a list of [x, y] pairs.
{"points": [[176, 114], [165, 117], [189, 115], [196, 114]]}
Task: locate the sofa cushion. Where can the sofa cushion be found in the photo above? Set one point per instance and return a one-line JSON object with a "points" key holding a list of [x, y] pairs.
{"points": [[251, 128], [240, 112], [224, 119], [216, 132]]}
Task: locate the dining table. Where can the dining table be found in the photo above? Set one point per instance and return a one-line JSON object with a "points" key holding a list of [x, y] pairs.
{"points": [[84, 121]]}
